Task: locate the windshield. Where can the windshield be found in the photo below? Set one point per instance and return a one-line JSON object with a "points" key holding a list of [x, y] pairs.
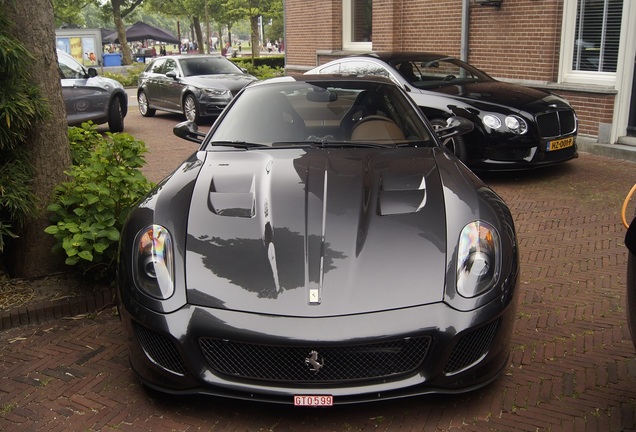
{"points": [[70, 68], [435, 72], [208, 66], [351, 112]]}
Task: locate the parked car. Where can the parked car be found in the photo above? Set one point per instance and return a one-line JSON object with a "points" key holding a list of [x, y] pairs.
{"points": [[195, 85], [311, 257], [88, 96], [516, 127]]}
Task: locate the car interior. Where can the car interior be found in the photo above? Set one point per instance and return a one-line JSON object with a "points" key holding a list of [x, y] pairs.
{"points": [[330, 115]]}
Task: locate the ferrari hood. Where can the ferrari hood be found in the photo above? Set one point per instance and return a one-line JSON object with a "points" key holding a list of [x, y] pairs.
{"points": [[316, 232]]}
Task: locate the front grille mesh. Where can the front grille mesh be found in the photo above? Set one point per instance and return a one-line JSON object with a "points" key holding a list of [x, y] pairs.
{"points": [[471, 347], [340, 363], [509, 154], [556, 123], [160, 350]]}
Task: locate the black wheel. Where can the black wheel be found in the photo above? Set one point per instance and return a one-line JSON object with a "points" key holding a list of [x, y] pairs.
{"points": [[455, 145], [191, 109], [115, 116], [144, 108]]}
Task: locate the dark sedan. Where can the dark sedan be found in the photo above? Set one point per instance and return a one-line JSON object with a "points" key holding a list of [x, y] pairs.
{"points": [[309, 254], [194, 85], [516, 127]]}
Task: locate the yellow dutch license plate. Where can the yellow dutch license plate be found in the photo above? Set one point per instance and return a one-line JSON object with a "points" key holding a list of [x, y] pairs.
{"points": [[560, 144]]}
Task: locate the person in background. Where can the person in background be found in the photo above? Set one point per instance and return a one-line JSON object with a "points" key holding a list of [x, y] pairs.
{"points": [[228, 49]]}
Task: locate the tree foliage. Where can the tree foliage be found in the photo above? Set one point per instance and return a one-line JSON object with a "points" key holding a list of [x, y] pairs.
{"points": [[71, 12], [252, 9]]}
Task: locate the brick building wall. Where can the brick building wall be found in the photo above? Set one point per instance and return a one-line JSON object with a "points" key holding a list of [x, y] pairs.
{"points": [[311, 26], [520, 41], [592, 109]]}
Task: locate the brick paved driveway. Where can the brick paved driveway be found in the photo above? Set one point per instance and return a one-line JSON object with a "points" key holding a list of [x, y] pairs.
{"points": [[573, 365]]}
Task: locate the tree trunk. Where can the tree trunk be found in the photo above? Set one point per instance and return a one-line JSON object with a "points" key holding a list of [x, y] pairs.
{"points": [[126, 56], [255, 37], [47, 144], [196, 23]]}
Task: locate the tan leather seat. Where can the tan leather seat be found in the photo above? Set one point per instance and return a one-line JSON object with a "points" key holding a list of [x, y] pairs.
{"points": [[377, 129]]}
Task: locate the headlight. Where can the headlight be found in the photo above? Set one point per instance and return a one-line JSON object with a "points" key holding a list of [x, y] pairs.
{"points": [[516, 124], [478, 259], [153, 262], [216, 92], [492, 121]]}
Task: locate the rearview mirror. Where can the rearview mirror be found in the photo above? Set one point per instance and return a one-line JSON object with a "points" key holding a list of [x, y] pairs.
{"points": [[322, 96], [189, 131], [455, 126]]}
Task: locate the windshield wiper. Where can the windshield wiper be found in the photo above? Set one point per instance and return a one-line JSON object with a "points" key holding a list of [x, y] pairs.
{"points": [[332, 144], [237, 144]]}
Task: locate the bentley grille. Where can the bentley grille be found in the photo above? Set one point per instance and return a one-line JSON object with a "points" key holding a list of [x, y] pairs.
{"points": [[298, 363], [556, 123], [509, 154]]}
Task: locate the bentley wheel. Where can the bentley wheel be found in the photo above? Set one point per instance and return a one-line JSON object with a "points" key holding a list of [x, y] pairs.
{"points": [[455, 144]]}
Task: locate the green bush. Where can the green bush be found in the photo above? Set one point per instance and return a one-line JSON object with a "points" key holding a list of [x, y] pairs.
{"points": [[129, 79], [273, 61], [89, 210], [264, 72]]}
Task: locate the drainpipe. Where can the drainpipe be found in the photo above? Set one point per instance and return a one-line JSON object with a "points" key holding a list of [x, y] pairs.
{"points": [[465, 27]]}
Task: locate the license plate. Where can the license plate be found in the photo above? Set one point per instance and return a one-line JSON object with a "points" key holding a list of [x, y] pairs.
{"points": [[313, 400], [560, 144]]}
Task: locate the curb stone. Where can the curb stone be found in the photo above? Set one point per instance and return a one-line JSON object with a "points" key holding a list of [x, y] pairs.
{"points": [[68, 307]]}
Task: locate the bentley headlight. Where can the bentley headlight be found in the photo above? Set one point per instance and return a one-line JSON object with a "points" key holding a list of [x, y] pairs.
{"points": [[492, 121], [516, 125], [478, 259], [154, 262]]}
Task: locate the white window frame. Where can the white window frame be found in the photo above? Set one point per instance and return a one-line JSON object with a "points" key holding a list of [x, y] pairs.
{"points": [[566, 73], [347, 43]]}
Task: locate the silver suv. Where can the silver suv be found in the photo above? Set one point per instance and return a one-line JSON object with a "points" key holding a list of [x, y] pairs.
{"points": [[91, 97]]}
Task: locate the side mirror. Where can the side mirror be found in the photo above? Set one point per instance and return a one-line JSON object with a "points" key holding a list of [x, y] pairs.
{"points": [[171, 74], [455, 126], [92, 72], [189, 131]]}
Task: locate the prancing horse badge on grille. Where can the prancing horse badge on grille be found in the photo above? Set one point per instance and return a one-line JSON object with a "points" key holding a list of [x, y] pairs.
{"points": [[314, 362]]}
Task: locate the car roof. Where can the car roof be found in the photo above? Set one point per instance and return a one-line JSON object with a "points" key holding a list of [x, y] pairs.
{"points": [[324, 78], [400, 56], [63, 53], [189, 56]]}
